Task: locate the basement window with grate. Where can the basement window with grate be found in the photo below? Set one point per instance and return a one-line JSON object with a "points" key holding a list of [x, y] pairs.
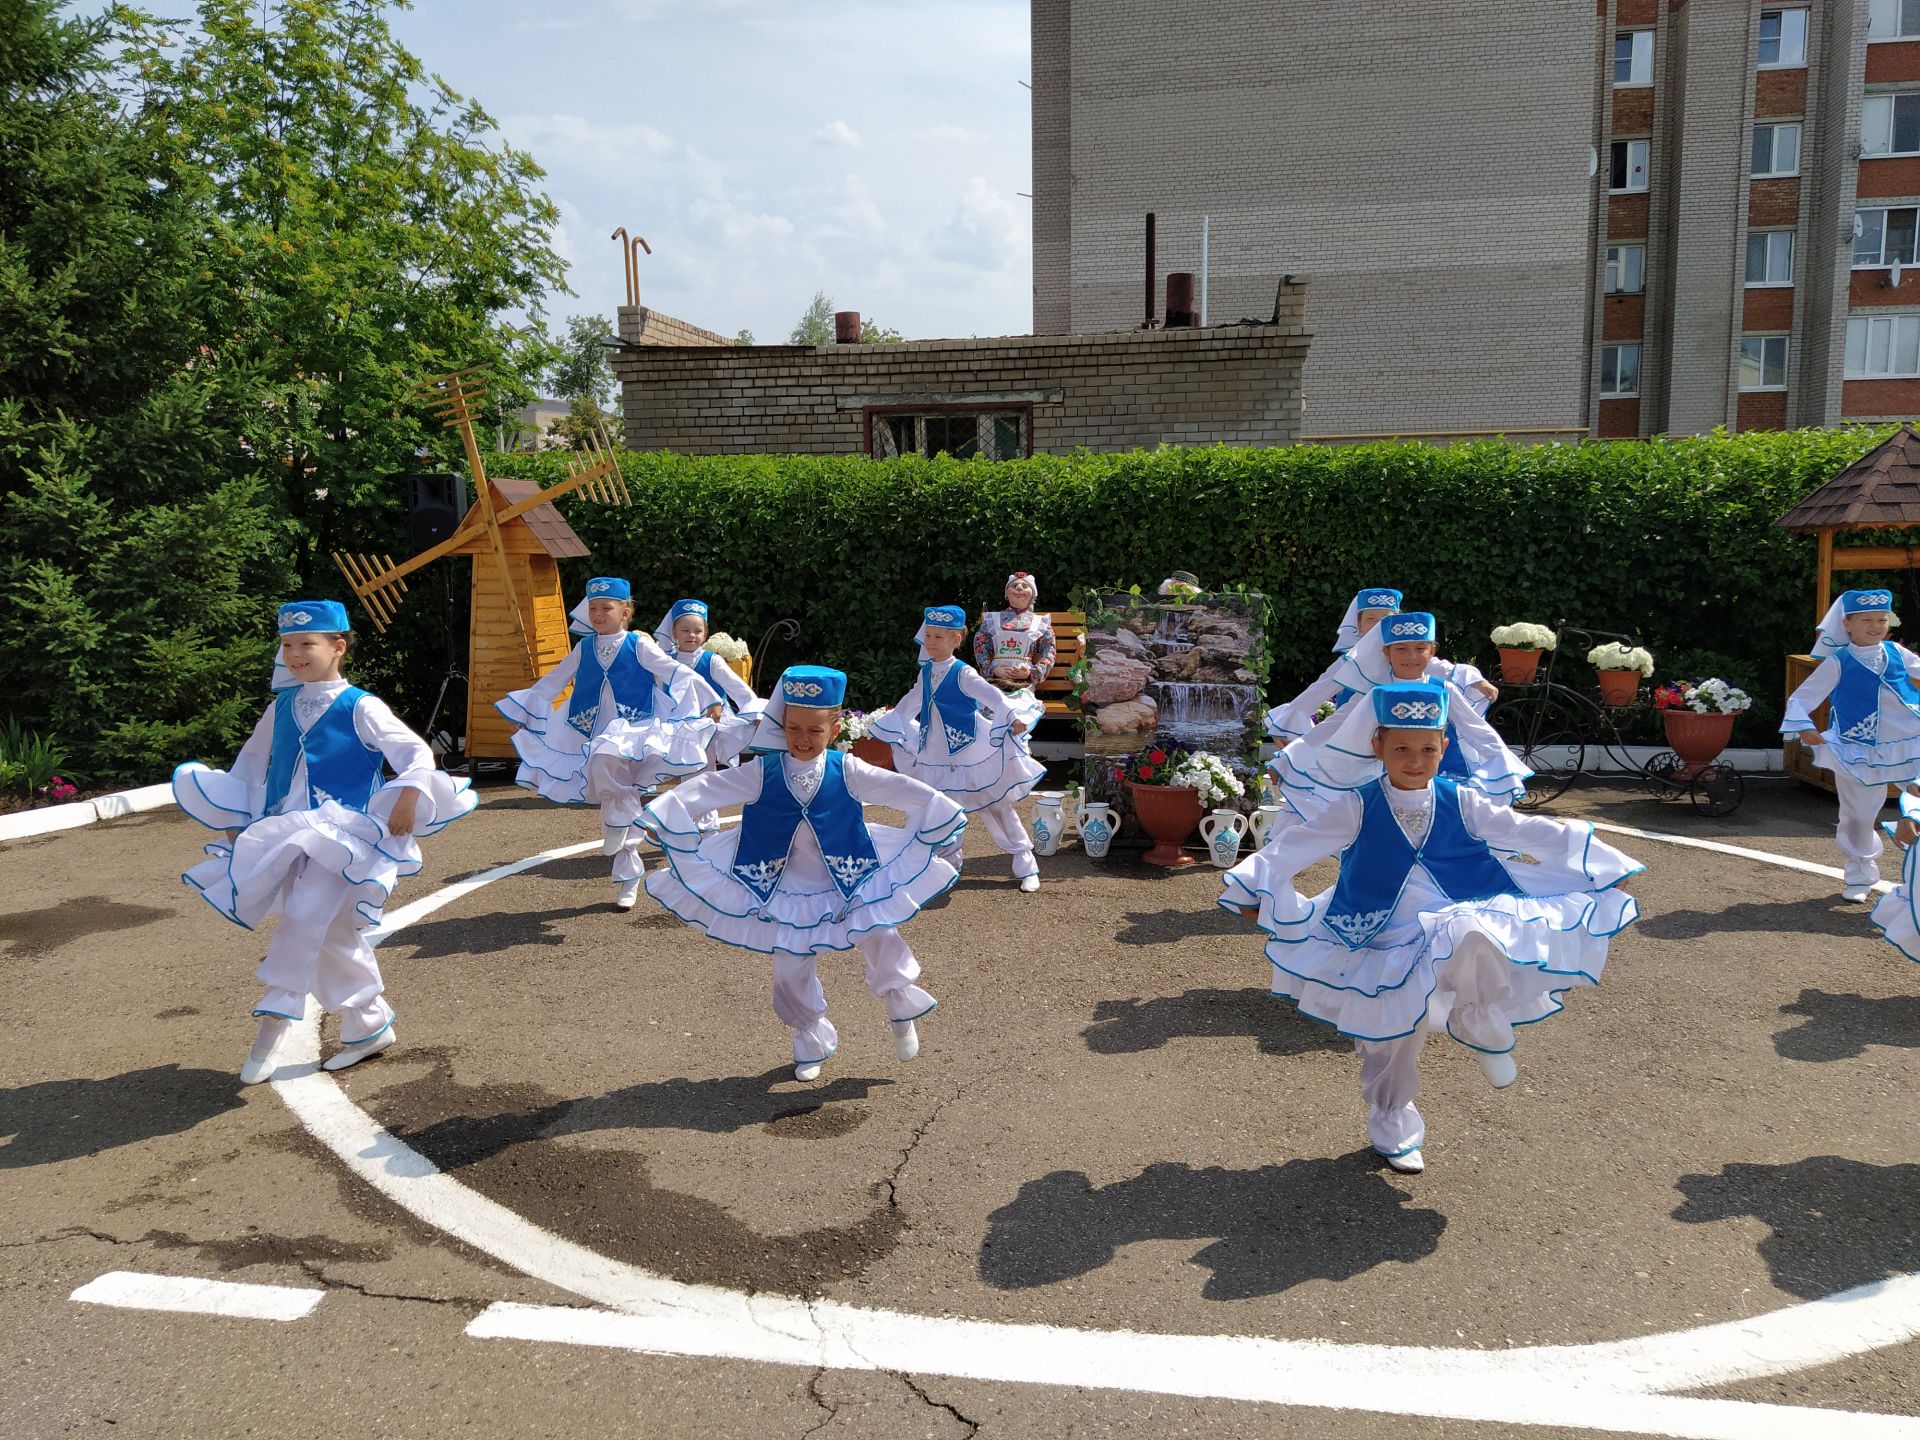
{"points": [[963, 434]]}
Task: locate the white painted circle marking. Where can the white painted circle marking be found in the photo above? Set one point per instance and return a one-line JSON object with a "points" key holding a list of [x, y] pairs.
{"points": [[1617, 1386]]}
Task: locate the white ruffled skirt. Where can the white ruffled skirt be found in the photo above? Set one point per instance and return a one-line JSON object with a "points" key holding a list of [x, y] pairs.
{"points": [[560, 764], [244, 879], [1892, 762], [995, 766], [806, 913], [1552, 944], [1894, 912]]}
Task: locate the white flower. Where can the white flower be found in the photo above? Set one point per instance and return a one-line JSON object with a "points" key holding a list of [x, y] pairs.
{"points": [[1524, 635], [726, 647], [1210, 775], [1717, 697], [1615, 656]]}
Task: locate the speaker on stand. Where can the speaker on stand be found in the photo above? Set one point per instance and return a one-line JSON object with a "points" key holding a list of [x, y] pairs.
{"points": [[434, 506]]}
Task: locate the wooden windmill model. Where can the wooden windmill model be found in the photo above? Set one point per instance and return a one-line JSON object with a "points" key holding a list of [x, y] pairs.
{"points": [[518, 625]]}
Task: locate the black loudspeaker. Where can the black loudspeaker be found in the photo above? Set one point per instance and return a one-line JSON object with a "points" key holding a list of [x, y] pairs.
{"points": [[433, 508]]}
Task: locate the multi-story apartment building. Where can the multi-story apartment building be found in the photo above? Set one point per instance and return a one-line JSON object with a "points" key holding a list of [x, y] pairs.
{"points": [[1628, 218]]}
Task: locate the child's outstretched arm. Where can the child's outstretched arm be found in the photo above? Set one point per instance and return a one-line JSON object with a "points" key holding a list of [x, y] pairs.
{"points": [[1805, 699]]}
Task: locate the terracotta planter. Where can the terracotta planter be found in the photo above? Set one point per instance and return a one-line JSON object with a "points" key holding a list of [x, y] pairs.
{"points": [[874, 752], [1169, 814], [1697, 739], [1518, 667], [1618, 687]]}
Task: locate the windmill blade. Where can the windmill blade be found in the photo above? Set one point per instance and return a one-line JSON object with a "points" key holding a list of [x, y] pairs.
{"points": [[376, 582]]}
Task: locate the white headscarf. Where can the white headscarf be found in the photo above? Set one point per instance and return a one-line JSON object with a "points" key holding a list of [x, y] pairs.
{"points": [[282, 677], [1345, 759], [1832, 638], [663, 632], [578, 623], [920, 635], [1365, 664], [1349, 632], [1031, 580]]}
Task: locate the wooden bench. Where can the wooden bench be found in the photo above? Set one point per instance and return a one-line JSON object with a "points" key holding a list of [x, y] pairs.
{"points": [[1070, 642]]}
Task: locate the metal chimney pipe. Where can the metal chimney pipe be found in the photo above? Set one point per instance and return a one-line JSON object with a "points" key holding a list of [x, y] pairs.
{"points": [[1180, 304], [1150, 272], [846, 327]]}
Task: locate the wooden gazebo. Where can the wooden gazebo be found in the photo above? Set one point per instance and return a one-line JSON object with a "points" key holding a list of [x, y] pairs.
{"points": [[1879, 491]]}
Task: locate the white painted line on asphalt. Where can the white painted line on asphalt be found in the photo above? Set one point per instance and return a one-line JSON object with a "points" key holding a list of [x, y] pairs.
{"points": [[1612, 1386], [394, 921], [1768, 857], [130, 1290]]}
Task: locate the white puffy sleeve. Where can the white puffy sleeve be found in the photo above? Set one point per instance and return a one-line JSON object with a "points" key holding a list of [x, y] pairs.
{"points": [[1264, 881], [443, 798], [1807, 695], [933, 817], [672, 818], [728, 682], [1567, 854], [533, 706], [234, 798]]}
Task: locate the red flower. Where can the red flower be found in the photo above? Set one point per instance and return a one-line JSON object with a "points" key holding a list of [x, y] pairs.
{"points": [[1158, 757], [1146, 772]]}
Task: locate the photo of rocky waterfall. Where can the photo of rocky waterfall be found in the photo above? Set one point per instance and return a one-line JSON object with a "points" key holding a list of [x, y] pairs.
{"points": [[1175, 671]]}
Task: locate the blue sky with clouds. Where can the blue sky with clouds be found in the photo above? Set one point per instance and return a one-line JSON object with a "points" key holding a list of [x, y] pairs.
{"points": [[873, 149]]}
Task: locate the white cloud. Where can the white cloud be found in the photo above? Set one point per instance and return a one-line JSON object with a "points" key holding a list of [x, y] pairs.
{"points": [[576, 142], [985, 231], [838, 132], [958, 134]]}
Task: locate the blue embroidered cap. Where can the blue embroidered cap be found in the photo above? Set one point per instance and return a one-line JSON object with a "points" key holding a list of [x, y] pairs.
{"points": [[813, 686], [1377, 597], [329, 616], [944, 617], [1410, 705], [687, 607], [608, 587], [1866, 602], [1413, 625]]}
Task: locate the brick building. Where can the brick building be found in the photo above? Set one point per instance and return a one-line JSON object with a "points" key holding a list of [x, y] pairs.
{"points": [[1636, 217]]}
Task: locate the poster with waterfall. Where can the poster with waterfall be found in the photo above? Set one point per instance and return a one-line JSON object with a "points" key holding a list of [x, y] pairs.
{"points": [[1180, 671]]}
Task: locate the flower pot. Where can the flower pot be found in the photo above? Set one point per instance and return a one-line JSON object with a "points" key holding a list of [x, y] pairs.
{"points": [[1518, 667], [1697, 739], [1168, 813], [874, 752], [1619, 687]]}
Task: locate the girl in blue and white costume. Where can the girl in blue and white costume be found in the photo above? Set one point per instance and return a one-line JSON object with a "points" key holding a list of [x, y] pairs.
{"points": [[317, 837], [1872, 739], [682, 633], [635, 718], [938, 737], [1400, 649], [804, 872], [1430, 925], [1896, 913], [1287, 723]]}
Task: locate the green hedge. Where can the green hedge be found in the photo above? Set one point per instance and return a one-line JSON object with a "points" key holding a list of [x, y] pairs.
{"points": [[1673, 540]]}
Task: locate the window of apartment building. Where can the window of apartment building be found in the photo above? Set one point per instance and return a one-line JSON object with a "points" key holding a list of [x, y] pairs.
{"points": [[1883, 347], [1890, 124], [1893, 19], [1633, 57], [1627, 166], [1619, 371], [1783, 39], [1763, 362], [1885, 237], [1626, 272], [1770, 257], [996, 434], [1776, 149]]}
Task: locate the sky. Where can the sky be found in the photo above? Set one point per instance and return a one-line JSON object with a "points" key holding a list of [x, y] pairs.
{"points": [[767, 149]]}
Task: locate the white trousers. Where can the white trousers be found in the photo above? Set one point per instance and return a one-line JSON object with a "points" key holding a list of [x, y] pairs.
{"points": [[802, 1005], [317, 950], [619, 814], [1007, 830], [1858, 834]]}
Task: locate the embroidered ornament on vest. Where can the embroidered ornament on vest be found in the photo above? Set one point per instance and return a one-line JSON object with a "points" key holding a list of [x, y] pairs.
{"points": [[762, 876], [957, 740], [849, 870], [1356, 930], [583, 722], [1866, 730]]}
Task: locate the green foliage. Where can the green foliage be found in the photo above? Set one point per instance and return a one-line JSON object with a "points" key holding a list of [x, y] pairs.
{"points": [[745, 337], [1670, 539], [815, 327], [28, 759], [581, 373]]}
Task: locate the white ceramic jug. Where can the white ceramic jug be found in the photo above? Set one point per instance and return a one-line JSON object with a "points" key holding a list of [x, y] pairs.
{"points": [[1263, 822], [1223, 830], [1049, 821], [1096, 823]]}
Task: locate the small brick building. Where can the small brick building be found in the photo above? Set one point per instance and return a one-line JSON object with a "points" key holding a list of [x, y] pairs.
{"points": [[691, 390]]}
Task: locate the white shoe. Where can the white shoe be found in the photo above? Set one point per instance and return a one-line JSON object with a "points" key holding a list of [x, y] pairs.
{"points": [[810, 1070], [1029, 884], [906, 1039], [354, 1054], [264, 1059], [1856, 890], [613, 839], [1500, 1069], [1410, 1162], [628, 892]]}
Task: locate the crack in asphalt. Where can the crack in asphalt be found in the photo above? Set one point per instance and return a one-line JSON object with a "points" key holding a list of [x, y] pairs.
{"points": [[920, 1132], [973, 1426], [813, 1394]]}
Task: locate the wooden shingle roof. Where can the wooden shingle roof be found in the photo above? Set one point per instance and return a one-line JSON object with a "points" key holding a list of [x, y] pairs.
{"points": [[1880, 489], [543, 522]]}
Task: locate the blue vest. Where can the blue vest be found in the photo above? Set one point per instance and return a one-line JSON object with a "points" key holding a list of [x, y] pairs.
{"points": [[632, 685], [703, 667], [1453, 763], [1856, 699], [959, 711], [1374, 868], [340, 765], [838, 822], [1341, 696]]}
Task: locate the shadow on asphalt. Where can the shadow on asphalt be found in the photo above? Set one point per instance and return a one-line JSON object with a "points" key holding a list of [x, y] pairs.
{"points": [[1271, 1228], [1165, 927], [1840, 1027], [492, 933], [1836, 1222], [30, 932], [1834, 916], [1126, 1027], [57, 1120]]}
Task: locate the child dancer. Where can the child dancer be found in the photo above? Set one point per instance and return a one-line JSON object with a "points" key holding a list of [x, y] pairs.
{"points": [[1014, 647], [682, 633], [1428, 926], [622, 732], [1896, 913], [1287, 723], [1872, 738], [316, 836], [937, 737], [804, 872]]}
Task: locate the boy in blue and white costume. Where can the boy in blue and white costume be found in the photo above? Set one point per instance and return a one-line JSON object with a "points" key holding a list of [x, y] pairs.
{"points": [[1896, 913], [682, 633], [1369, 606], [966, 738], [1872, 739], [1400, 650], [317, 836], [635, 718], [1431, 924], [804, 872]]}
